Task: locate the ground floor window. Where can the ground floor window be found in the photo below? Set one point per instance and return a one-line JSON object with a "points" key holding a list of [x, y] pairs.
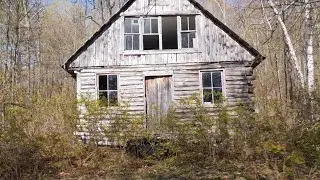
{"points": [[108, 90], [212, 86]]}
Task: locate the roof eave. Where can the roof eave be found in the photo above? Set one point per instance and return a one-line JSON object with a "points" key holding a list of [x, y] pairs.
{"points": [[258, 60], [103, 28], [226, 29]]}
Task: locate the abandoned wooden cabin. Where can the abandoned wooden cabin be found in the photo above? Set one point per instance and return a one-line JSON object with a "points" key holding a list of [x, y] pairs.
{"points": [[159, 52]]}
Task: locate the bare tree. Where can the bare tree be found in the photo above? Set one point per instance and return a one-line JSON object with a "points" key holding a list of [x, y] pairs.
{"points": [[309, 47], [289, 43]]}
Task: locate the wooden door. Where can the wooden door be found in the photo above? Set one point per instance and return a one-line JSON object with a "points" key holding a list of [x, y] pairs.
{"points": [[158, 99]]}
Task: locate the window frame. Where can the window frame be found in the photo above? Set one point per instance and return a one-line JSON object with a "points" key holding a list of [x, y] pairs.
{"points": [[143, 33], [188, 32], [98, 91], [125, 34], [223, 84]]}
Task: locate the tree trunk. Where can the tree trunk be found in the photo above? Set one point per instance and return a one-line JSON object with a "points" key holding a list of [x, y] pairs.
{"points": [[309, 48], [289, 43], [28, 45]]}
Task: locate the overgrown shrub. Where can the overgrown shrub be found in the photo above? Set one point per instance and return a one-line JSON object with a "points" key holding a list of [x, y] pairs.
{"points": [[37, 137], [38, 141], [275, 143]]}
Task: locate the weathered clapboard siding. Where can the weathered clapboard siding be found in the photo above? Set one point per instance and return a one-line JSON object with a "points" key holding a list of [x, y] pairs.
{"points": [[211, 44], [186, 82]]}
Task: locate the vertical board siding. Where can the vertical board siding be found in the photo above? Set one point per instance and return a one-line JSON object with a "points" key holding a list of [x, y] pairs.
{"points": [[211, 43]]}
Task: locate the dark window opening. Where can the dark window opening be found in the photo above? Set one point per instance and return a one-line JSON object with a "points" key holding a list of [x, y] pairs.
{"points": [[148, 38], [151, 42], [169, 32], [108, 90], [212, 87]]}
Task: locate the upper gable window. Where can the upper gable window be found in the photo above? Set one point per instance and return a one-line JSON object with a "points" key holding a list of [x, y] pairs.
{"points": [[160, 32], [132, 34], [188, 31]]}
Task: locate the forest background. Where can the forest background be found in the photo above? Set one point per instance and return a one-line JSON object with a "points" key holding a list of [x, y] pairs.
{"points": [[38, 113]]}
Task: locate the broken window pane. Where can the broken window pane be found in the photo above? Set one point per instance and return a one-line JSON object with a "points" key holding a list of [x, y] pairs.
{"points": [[151, 42], [206, 79], [207, 95], [103, 82], [184, 23], [113, 82], [169, 32]]}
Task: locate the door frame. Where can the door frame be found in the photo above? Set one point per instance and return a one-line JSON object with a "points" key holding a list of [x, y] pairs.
{"points": [[145, 90]]}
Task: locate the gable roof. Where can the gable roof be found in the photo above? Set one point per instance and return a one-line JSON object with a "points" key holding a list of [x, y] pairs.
{"points": [[258, 57]]}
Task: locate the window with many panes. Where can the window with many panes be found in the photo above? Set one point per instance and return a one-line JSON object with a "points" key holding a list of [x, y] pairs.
{"points": [[153, 37], [150, 34], [108, 90], [212, 87], [132, 34], [188, 31]]}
